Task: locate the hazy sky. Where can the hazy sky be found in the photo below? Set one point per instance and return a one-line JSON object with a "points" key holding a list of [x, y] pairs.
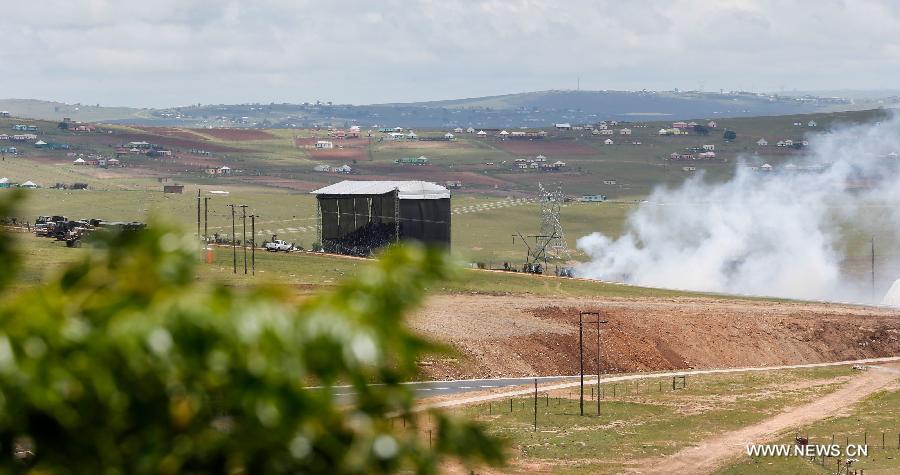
{"points": [[176, 52]]}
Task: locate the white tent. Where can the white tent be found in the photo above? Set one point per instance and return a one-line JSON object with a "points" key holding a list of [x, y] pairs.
{"points": [[4, 180], [29, 184], [79, 161], [412, 190]]}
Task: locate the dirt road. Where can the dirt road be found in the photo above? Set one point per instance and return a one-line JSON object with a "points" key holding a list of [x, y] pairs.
{"points": [[521, 336], [713, 453]]}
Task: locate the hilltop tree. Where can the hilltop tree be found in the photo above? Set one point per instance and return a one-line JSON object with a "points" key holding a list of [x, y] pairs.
{"points": [[125, 362], [729, 135]]}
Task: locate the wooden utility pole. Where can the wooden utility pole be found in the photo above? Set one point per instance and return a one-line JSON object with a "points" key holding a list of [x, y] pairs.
{"points": [[233, 243], [581, 362], [253, 242], [244, 235], [206, 218], [198, 213], [581, 316], [535, 409], [873, 269]]}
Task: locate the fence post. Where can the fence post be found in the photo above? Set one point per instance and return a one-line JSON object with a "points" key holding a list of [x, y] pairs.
{"points": [[510, 405]]}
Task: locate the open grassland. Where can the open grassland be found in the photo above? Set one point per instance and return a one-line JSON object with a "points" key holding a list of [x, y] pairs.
{"points": [[641, 421], [482, 227], [284, 158], [309, 271], [875, 422]]}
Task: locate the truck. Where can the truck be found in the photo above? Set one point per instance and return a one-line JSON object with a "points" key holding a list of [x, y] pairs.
{"points": [[276, 245]]}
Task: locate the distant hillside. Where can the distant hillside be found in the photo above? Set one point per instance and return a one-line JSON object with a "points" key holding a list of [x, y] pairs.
{"points": [[647, 104], [530, 109], [54, 111]]}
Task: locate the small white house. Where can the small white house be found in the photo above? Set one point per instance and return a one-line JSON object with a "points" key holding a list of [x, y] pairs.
{"points": [[712, 124], [30, 185], [762, 142], [540, 158], [322, 168], [342, 169], [324, 144], [563, 126], [558, 164], [449, 136], [79, 161], [811, 124], [625, 131], [608, 142], [663, 132], [470, 130], [458, 130], [504, 133], [412, 136], [765, 167], [481, 133], [709, 147]]}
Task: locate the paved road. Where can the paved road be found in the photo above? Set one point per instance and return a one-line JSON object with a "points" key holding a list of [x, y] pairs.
{"points": [[631, 377], [427, 389]]}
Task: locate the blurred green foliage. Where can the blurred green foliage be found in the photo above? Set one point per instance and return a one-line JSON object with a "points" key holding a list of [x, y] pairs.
{"points": [[127, 363]]}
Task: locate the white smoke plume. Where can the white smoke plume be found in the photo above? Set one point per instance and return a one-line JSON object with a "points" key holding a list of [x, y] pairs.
{"points": [[783, 233]]}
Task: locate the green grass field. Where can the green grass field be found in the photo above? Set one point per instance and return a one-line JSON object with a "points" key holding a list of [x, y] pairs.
{"points": [[645, 419], [868, 423]]}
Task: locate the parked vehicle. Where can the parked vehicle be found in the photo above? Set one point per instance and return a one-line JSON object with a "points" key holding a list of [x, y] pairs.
{"points": [[279, 245]]}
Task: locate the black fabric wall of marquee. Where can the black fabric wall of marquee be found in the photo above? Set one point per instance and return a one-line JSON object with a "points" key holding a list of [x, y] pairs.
{"points": [[358, 224]]}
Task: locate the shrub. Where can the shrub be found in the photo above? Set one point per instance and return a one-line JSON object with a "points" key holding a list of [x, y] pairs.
{"points": [[127, 363]]}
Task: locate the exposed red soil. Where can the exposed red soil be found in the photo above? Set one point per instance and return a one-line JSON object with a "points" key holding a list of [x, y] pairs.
{"points": [[526, 336], [311, 141], [551, 148], [237, 135], [175, 142], [171, 132]]}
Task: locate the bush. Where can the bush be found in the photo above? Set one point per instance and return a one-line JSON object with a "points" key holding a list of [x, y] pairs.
{"points": [[127, 363]]}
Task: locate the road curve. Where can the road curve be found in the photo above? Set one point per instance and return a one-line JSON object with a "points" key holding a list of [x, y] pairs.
{"points": [[608, 379]]}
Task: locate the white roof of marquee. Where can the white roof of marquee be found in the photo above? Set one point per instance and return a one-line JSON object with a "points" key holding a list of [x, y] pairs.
{"points": [[409, 190]]}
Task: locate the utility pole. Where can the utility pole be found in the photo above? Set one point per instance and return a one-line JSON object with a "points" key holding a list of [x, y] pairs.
{"points": [[253, 237], [873, 269], [244, 235], [581, 361], [233, 243], [206, 218], [581, 316], [198, 213], [535, 409]]}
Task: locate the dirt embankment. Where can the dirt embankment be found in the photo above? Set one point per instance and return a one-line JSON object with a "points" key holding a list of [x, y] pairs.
{"points": [[525, 336]]}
